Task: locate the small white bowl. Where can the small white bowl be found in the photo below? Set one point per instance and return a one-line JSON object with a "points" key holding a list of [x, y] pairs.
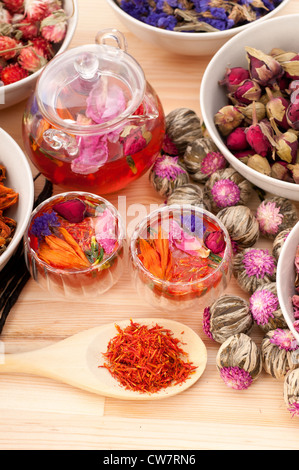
{"points": [[19, 91], [279, 32], [19, 178], [285, 277], [188, 44]]}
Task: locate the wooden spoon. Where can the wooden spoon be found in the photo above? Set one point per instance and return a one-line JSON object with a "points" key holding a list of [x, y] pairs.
{"points": [[76, 360]]}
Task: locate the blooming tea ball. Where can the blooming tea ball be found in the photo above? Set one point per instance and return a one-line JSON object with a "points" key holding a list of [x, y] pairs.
{"points": [[227, 316], [166, 174], [291, 391], [226, 188], [265, 308], [241, 224], [254, 267], [183, 126], [278, 349], [239, 361], [279, 242], [275, 214], [186, 194], [202, 158]]}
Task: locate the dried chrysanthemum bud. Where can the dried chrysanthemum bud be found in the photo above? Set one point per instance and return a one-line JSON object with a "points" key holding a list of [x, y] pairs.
{"points": [[227, 119], [236, 140], [265, 308], [276, 108], [202, 158], [183, 126], [233, 77], [260, 164], [275, 214], [187, 194], [167, 174], [291, 391], [253, 268], [226, 188], [277, 349], [239, 361], [241, 224], [247, 92], [227, 316], [263, 67], [279, 242]]}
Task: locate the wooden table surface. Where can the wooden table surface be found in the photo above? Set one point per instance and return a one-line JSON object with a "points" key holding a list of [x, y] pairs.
{"points": [[38, 413]]}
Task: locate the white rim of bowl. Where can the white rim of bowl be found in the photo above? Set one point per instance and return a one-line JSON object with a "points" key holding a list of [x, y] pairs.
{"points": [[222, 147], [21, 227], [203, 36]]}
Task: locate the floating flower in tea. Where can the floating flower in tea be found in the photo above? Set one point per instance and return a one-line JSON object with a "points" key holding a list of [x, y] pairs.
{"points": [[239, 361], [227, 316], [265, 308], [278, 349]]}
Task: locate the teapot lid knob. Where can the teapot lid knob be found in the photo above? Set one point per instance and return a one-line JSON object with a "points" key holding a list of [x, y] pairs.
{"points": [[87, 65]]}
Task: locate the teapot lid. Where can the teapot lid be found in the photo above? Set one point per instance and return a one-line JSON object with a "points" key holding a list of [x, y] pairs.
{"points": [[91, 88]]}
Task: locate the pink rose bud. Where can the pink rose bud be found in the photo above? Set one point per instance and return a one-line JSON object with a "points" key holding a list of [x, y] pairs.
{"points": [[257, 138], [233, 77], [215, 242], [237, 139], [227, 119], [263, 67], [292, 113], [247, 91], [276, 108]]}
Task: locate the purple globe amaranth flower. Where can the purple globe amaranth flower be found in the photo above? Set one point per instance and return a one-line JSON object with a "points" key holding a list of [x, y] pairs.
{"points": [[247, 92], [206, 322], [269, 217], [226, 193], [263, 67], [212, 162], [236, 378], [263, 304], [258, 263], [294, 409], [167, 167], [236, 141], [215, 241], [284, 339], [233, 77]]}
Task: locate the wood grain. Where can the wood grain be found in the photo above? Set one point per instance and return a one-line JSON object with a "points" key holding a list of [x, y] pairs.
{"points": [[38, 413]]}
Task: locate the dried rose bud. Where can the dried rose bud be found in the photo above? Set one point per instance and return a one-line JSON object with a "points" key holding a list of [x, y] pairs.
{"points": [[295, 172], [285, 144], [257, 137], [227, 119], [233, 77], [263, 67], [215, 241], [276, 108], [247, 92], [237, 139], [293, 86], [291, 67], [280, 171], [292, 113], [247, 111], [244, 155], [260, 164]]}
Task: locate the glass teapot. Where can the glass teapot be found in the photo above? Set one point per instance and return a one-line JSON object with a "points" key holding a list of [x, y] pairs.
{"points": [[94, 123]]}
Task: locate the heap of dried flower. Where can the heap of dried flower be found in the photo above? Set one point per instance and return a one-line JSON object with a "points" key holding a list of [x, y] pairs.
{"points": [[30, 34], [265, 308], [8, 197], [226, 188], [227, 316], [197, 16], [274, 215], [239, 361], [277, 349], [254, 267], [266, 136]]}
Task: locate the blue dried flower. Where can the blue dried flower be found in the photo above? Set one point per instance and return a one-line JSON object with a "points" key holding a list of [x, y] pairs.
{"points": [[42, 224]]}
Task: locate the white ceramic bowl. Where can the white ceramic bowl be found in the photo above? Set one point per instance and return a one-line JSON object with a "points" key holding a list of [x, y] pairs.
{"points": [[19, 91], [285, 277], [188, 44], [281, 32], [19, 178]]}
